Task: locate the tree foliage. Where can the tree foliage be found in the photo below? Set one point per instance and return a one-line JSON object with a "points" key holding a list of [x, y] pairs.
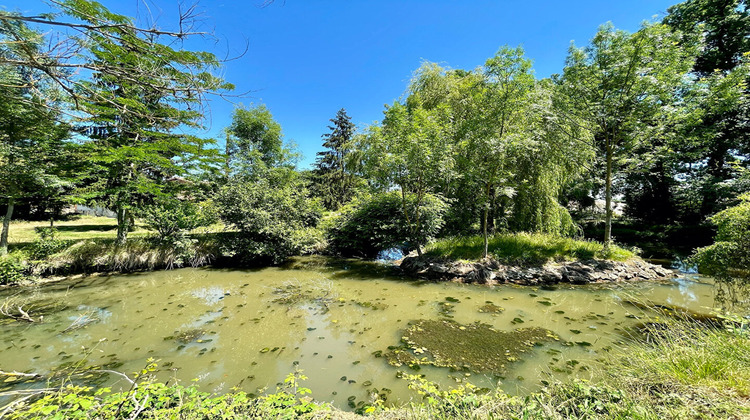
{"points": [[374, 224], [333, 178], [31, 137], [77, 35], [618, 83], [273, 216], [716, 130], [253, 139]]}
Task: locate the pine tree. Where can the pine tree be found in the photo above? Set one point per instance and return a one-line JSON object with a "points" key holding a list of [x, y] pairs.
{"points": [[333, 182]]}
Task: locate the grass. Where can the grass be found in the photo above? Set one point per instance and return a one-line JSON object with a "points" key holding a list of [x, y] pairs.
{"points": [[524, 248], [80, 228], [689, 356], [76, 229], [136, 255], [87, 244]]}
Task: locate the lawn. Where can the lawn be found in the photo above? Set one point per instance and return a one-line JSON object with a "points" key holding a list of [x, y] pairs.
{"points": [[77, 228]]}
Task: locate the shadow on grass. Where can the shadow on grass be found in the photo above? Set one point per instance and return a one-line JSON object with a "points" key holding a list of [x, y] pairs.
{"points": [[86, 228]]}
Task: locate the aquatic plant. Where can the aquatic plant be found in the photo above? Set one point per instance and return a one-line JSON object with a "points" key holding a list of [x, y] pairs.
{"points": [[292, 294], [476, 347]]}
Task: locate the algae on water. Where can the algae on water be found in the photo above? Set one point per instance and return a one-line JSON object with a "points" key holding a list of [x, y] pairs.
{"points": [[476, 347]]}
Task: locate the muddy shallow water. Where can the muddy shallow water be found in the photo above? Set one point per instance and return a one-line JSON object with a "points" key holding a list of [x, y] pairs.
{"points": [[333, 319]]}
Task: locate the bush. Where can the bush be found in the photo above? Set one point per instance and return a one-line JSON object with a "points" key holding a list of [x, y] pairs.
{"points": [[171, 218], [729, 256], [46, 243], [12, 269], [367, 227], [273, 216]]}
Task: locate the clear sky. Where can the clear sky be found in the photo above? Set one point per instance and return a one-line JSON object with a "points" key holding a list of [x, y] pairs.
{"points": [[306, 59]]}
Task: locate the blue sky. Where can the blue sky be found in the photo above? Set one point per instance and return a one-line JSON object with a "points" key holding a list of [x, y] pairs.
{"points": [[308, 58]]}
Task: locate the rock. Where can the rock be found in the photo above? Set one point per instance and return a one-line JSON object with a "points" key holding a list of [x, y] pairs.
{"points": [[490, 271]]}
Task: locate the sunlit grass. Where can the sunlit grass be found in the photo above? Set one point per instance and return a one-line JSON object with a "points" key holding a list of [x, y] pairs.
{"points": [[690, 355], [523, 248], [84, 227], [77, 228]]}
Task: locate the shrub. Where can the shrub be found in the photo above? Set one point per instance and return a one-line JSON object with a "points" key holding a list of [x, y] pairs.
{"points": [[273, 216], [171, 218], [46, 243], [12, 269], [729, 256], [366, 227]]}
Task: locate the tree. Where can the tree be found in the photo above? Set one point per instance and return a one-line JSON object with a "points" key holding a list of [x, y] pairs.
{"points": [[31, 139], [410, 151], [140, 93], [79, 30], [617, 83], [264, 198], [554, 152], [498, 124], [717, 134], [254, 138], [334, 183], [136, 157], [724, 26]]}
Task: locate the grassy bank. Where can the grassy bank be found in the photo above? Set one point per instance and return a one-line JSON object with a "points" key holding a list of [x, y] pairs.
{"points": [[524, 248], [87, 244], [674, 371]]}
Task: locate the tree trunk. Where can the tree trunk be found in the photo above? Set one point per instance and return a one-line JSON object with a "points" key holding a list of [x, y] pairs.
{"points": [[484, 223], [123, 225], [492, 212], [6, 227], [608, 199]]}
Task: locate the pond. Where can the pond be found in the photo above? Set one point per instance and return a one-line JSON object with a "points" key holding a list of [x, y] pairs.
{"points": [[338, 321]]}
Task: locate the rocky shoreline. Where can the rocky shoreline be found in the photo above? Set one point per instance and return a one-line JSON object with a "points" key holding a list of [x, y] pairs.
{"points": [[574, 272]]}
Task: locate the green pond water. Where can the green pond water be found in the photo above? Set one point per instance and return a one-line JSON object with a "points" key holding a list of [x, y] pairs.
{"points": [[333, 319]]}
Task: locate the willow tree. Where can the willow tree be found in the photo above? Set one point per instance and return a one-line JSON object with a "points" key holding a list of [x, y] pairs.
{"points": [[617, 83], [556, 150]]}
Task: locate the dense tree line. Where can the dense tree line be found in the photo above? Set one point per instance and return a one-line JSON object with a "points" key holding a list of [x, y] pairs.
{"points": [[657, 118]]}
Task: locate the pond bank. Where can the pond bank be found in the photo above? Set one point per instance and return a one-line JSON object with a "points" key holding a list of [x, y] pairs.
{"points": [[492, 272]]}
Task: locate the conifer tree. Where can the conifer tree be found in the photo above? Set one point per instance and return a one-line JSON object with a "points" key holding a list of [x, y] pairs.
{"points": [[334, 183]]}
